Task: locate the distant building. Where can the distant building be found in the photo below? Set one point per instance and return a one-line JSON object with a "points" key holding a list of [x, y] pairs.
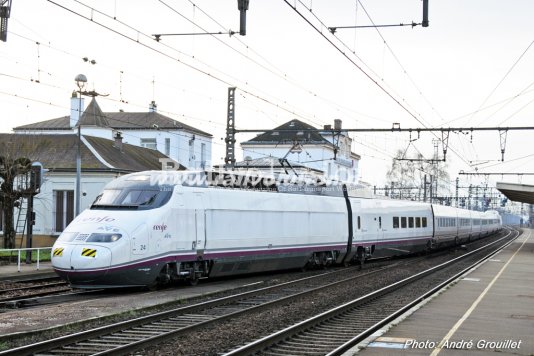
{"points": [[185, 144], [305, 148], [102, 161]]}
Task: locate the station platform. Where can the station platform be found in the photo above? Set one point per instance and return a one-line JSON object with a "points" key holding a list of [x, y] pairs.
{"points": [[489, 311], [11, 271]]}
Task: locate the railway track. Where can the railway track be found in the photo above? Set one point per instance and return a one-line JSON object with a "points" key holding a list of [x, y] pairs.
{"points": [[48, 297], [13, 290], [131, 335], [128, 336], [336, 331]]}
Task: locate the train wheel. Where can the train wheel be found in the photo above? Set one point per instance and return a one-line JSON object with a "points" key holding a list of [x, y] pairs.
{"points": [[192, 281], [152, 286], [429, 246]]}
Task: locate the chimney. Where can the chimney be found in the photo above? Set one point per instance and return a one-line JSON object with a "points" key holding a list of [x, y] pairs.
{"points": [[337, 124], [328, 127], [118, 141], [152, 107], [76, 109]]}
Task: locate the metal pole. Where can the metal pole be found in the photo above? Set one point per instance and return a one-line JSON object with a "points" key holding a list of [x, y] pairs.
{"points": [[80, 82], [29, 228], [79, 157], [457, 184], [229, 160], [424, 189]]}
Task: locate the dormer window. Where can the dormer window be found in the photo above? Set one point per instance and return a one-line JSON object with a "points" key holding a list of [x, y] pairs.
{"points": [[275, 133]]}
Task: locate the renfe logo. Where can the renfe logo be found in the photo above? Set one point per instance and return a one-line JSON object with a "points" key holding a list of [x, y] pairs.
{"points": [[160, 227], [98, 219]]}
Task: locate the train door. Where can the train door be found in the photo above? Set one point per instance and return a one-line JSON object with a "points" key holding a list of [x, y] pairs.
{"points": [[200, 243], [378, 225]]}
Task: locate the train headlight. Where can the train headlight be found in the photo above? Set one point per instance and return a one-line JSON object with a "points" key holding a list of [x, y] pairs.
{"points": [[99, 237]]}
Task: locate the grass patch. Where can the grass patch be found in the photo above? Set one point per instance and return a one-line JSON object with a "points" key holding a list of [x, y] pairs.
{"points": [[44, 255]]}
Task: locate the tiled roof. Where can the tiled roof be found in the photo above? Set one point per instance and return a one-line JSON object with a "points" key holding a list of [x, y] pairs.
{"points": [[291, 131], [58, 152], [148, 120], [93, 116]]}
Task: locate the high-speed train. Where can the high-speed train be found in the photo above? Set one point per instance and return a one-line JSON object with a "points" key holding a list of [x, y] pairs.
{"points": [[153, 227]]}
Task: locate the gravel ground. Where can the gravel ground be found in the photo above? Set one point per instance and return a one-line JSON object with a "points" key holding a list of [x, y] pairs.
{"points": [[233, 333], [240, 330]]}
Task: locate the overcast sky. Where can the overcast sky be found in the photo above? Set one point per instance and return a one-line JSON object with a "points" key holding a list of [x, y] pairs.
{"points": [[472, 67]]}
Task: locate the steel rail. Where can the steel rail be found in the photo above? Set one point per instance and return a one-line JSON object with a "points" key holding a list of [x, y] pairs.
{"points": [[285, 334], [359, 338], [191, 313]]}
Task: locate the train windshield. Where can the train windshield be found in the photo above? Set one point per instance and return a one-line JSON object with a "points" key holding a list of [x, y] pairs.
{"points": [[132, 198]]}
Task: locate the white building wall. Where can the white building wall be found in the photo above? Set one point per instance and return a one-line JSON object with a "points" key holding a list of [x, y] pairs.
{"points": [[92, 185], [317, 157], [185, 147]]}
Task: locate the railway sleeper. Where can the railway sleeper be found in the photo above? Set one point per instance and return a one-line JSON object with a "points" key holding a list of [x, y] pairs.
{"points": [[299, 348], [117, 340], [289, 351], [104, 346], [340, 327], [321, 333], [126, 336], [311, 340], [158, 328], [146, 330], [307, 343]]}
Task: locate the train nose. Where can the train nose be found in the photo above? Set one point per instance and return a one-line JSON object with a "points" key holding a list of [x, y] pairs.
{"points": [[81, 257]]}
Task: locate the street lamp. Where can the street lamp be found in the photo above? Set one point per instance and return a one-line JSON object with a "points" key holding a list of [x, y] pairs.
{"points": [[80, 82]]}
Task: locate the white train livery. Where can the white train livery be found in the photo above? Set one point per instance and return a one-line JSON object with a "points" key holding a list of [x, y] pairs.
{"points": [[153, 227]]}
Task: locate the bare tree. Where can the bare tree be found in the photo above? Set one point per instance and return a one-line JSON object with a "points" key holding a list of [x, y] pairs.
{"points": [[13, 163], [407, 176]]}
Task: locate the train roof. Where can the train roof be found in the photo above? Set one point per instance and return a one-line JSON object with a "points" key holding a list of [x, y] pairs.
{"points": [[256, 181]]}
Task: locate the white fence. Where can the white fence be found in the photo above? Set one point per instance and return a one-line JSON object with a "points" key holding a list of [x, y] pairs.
{"points": [[19, 250]]}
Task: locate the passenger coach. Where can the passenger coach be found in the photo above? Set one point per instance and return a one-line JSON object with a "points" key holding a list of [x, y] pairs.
{"points": [[150, 228]]}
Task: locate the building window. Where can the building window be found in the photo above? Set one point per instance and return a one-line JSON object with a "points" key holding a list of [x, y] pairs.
{"points": [[202, 155], [167, 147], [149, 143], [64, 209]]}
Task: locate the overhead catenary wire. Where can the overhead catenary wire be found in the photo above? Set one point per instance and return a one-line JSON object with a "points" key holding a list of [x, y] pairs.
{"points": [[136, 40], [503, 78]]}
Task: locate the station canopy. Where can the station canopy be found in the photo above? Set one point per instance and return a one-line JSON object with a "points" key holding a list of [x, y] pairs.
{"points": [[517, 192]]}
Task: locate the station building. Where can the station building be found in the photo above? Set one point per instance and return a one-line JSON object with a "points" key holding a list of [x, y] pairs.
{"points": [[299, 147]]}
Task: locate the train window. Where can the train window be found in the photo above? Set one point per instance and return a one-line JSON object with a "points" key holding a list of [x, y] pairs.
{"points": [[359, 223], [423, 221], [134, 198], [108, 196], [410, 221], [395, 222], [418, 222], [379, 222], [403, 222]]}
